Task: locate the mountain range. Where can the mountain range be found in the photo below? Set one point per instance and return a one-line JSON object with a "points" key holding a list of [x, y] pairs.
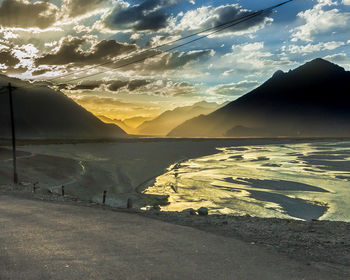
{"points": [[41, 112], [165, 122], [311, 100], [168, 120]]}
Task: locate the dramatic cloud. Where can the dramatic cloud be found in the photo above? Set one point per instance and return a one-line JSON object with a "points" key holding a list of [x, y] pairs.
{"points": [[208, 17], [117, 85], [112, 85], [340, 58], [70, 52], [320, 19], [172, 61], [90, 85], [233, 89], [80, 7], [22, 13], [131, 85], [149, 15], [8, 59], [10, 64], [77, 52], [136, 86]]}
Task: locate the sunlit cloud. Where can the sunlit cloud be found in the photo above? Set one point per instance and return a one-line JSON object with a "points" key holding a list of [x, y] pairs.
{"points": [[309, 48], [233, 89], [320, 19], [209, 16]]}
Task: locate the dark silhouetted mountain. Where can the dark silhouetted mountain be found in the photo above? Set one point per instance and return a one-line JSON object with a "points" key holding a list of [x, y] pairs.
{"points": [[168, 120], [41, 112], [312, 100]]}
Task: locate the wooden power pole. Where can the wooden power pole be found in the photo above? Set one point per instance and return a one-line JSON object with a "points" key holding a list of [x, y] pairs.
{"points": [[15, 176]]}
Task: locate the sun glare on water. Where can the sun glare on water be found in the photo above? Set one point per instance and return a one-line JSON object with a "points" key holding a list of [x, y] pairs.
{"points": [[301, 181]]}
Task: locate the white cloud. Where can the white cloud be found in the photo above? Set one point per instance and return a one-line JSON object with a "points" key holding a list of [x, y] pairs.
{"points": [[339, 58], [309, 48], [161, 40], [252, 58], [346, 2], [320, 20], [233, 89], [209, 16]]}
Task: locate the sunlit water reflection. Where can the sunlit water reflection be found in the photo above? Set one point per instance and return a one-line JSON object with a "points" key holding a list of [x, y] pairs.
{"points": [[304, 181]]}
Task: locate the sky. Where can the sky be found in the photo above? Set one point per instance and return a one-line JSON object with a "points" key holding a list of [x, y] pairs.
{"points": [[80, 45]]}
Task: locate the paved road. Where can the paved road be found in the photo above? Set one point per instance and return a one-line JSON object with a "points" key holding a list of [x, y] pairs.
{"points": [[45, 240]]}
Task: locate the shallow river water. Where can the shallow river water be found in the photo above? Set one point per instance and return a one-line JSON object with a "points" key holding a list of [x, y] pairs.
{"points": [[302, 180]]}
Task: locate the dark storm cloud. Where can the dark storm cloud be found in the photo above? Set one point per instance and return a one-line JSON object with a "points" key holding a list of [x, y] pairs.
{"points": [[135, 84], [149, 15], [90, 85], [20, 13], [7, 58], [11, 62], [70, 52], [112, 85], [130, 85], [226, 13], [116, 85]]}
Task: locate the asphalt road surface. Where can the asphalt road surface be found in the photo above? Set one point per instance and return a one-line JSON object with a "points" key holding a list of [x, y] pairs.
{"points": [[46, 240]]}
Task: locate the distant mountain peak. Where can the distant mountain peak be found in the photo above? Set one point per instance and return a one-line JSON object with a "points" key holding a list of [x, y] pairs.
{"points": [[310, 101], [278, 74], [319, 66], [41, 112], [205, 104]]}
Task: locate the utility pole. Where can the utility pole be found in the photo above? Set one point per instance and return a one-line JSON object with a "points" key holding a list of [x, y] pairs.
{"points": [[15, 176]]}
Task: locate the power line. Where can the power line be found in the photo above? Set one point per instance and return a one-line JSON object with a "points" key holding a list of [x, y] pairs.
{"points": [[165, 44], [218, 28], [223, 27], [156, 54]]}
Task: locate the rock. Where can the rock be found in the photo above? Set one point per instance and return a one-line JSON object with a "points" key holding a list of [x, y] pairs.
{"points": [[190, 211], [156, 207], [203, 211]]}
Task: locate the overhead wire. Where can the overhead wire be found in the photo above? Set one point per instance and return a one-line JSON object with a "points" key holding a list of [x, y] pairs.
{"points": [[157, 47], [217, 29], [154, 54]]}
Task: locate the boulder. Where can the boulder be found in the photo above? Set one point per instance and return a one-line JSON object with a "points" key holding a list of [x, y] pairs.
{"points": [[203, 211]]}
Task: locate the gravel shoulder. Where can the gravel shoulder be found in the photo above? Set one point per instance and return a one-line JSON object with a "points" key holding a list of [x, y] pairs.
{"points": [[322, 247]]}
